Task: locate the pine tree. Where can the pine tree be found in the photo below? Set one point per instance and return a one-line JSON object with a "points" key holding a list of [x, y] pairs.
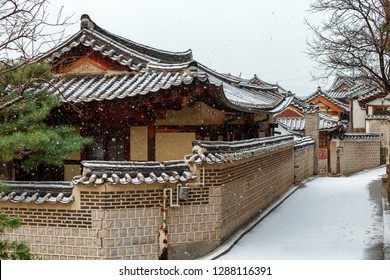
{"points": [[24, 134], [12, 250]]}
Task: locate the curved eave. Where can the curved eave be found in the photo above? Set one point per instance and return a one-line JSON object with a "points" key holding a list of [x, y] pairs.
{"points": [[250, 107], [117, 49], [246, 100], [167, 56], [37, 192], [80, 89], [135, 173], [325, 95]]}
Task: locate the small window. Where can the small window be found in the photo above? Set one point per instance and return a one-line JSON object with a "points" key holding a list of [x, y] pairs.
{"points": [[116, 144], [109, 144]]}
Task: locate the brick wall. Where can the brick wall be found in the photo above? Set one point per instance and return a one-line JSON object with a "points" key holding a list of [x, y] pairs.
{"points": [[250, 186], [123, 221], [383, 128], [303, 163], [351, 155], [111, 222]]}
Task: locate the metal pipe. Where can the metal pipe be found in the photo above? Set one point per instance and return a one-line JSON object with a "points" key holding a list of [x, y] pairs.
{"points": [[163, 231]]}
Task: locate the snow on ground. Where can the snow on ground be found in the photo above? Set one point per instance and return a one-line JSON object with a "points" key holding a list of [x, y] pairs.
{"points": [[327, 218]]}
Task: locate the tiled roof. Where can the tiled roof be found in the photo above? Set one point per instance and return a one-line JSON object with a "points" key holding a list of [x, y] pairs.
{"points": [[87, 88], [37, 192], [293, 124], [299, 103], [117, 48], [303, 142], [326, 95], [358, 88], [259, 83], [326, 122], [378, 117], [251, 100], [129, 172], [361, 136], [366, 93], [152, 70], [213, 152], [342, 79], [338, 94]]}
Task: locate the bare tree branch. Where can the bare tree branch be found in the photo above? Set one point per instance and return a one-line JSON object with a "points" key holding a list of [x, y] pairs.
{"points": [[27, 30], [352, 40], [10, 103]]}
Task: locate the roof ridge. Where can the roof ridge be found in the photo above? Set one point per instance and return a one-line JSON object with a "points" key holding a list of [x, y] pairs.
{"points": [[167, 56]]}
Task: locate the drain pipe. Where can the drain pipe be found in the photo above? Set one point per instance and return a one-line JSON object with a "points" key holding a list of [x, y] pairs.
{"points": [[163, 231]]}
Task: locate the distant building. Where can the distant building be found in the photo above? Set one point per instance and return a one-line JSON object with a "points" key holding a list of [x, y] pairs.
{"points": [[352, 125], [329, 105], [369, 108], [294, 120]]}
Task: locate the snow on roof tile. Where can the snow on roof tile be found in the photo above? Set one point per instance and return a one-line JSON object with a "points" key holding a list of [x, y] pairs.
{"points": [[213, 152], [37, 192], [155, 70], [303, 142], [326, 122], [326, 95], [130, 172], [361, 136]]}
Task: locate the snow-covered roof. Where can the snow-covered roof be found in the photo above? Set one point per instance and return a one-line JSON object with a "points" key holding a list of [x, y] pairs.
{"points": [[303, 142], [249, 98], [299, 103], [87, 88], [150, 70], [37, 192], [361, 136], [343, 79], [213, 152], [326, 95], [326, 122], [131, 172], [378, 117], [117, 48], [367, 93], [256, 83], [357, 88]]}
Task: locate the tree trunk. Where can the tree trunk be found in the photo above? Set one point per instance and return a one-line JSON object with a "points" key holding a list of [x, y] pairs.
{"points": [[8, 170]]}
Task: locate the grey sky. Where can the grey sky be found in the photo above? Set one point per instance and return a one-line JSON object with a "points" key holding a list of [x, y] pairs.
{"points": [[263, 37]]}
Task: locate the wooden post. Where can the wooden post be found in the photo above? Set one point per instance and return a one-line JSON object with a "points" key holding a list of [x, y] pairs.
{"points": [[151, 140]]}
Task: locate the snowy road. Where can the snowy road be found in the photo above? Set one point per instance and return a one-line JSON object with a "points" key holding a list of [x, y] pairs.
{"points": [[326, 218]]}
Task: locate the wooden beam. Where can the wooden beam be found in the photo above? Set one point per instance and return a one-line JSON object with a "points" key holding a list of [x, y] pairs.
{"points": [[151, 140]]}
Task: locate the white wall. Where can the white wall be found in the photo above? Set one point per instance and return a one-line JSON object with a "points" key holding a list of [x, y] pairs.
{"points": [[359, 116]]}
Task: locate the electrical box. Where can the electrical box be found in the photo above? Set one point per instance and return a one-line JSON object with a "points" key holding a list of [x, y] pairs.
{"points": [[184, 192]]}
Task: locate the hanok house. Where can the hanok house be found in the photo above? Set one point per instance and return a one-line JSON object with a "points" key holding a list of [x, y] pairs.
{"points": [[166, 155], [339, 152], [328, 105], [294, 120], [144, 104], [156, 163], [369, 107]]}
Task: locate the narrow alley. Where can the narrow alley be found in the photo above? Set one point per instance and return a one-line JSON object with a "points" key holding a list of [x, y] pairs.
{"points": [[337, 218]]}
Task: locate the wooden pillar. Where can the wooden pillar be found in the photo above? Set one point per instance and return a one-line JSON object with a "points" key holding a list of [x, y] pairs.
{"points": [[151, 140]]}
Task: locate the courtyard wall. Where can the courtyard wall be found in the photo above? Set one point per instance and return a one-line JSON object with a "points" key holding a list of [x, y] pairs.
{"points": [[124, 221]]}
